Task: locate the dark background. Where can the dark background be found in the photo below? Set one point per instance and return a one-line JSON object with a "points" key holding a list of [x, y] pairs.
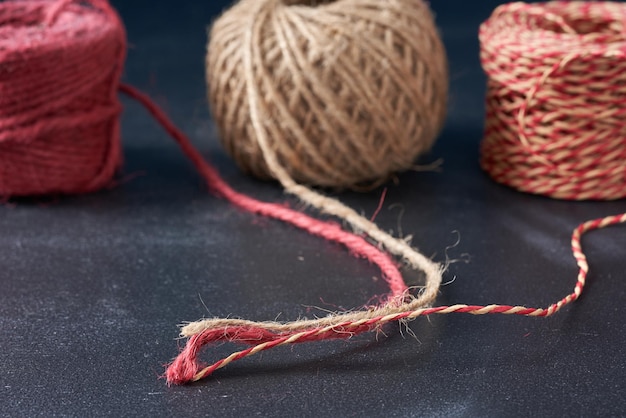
{"points": [[92, 287]]}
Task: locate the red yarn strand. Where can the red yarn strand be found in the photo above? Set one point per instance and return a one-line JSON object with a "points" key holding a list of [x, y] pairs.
{"points": [[329, 231]]}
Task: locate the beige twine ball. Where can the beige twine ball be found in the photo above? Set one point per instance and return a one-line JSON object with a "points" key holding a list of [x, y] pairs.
{"points": [[347, 92]]}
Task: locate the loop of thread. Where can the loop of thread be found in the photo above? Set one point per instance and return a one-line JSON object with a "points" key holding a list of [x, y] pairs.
{"points": [[347, 92], [556, 98], [186, 367], [60, 65]]}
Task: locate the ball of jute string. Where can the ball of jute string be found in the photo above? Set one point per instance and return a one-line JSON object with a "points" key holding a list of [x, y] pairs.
{"points": [[60, 64], [349, 91], [556, 124]]}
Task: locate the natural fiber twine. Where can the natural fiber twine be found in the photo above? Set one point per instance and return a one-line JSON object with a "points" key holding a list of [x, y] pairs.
{"points": [[556, 123], [345, 92]]}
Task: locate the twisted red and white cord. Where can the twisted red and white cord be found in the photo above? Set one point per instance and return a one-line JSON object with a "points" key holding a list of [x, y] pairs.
{"points": [[187, 368]]}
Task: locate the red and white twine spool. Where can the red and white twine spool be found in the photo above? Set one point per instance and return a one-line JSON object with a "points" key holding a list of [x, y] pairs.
{"points": [[556, 101]]}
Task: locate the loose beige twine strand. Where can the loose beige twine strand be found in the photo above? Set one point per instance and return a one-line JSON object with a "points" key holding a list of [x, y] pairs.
{"points": [[413, 70]]}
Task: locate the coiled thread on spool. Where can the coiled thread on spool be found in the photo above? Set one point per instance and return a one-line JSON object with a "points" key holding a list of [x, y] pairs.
{"points": [[556, 123], [60, 65]]}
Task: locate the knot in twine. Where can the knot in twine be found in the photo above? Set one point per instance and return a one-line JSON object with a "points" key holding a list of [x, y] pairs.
{"points": [[60, 64], [556, 102], [330, 93]]}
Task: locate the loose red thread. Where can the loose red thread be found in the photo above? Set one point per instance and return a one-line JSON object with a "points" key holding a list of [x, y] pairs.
{"points": [[329, 231]]}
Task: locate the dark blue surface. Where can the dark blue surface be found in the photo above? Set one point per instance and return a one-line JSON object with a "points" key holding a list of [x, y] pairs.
{"points": [[92, 287]]}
